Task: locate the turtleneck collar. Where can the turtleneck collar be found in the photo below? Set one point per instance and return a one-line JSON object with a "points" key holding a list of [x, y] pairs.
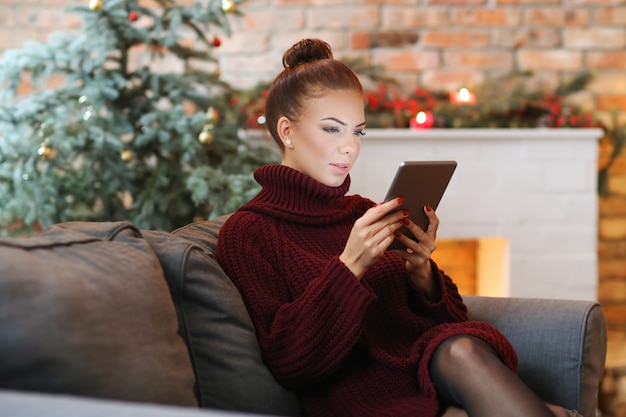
{"points": [[296, 195]]}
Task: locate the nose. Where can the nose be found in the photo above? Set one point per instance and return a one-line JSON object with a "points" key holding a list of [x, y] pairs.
{"points": [[350, 144], [347, 148]]}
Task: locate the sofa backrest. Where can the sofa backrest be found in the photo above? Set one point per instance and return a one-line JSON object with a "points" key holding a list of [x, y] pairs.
{"points": [[215, 324]]}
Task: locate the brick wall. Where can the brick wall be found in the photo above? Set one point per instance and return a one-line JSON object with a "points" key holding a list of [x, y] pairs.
{"points": [[445, 43], [612, 252], [440, 43]]}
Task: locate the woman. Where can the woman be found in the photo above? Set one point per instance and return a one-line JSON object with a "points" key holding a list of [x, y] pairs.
{"points": [[352, 328]]}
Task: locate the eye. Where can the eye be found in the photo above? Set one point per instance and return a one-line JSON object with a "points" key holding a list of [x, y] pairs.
{"points": [[331, 129], [359, 132]]}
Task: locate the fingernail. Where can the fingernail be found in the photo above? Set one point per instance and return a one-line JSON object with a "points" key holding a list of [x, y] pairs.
{"points": [[400, 200], [406, 221], [405, 213], [396, 234], [428, 208]]}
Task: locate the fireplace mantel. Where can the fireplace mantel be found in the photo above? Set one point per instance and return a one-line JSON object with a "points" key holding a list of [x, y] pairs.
{"points": [[564, 134], [537, 188]]}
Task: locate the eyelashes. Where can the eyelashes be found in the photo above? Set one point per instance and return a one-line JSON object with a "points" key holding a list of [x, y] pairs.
{"points": [[357, 132]]}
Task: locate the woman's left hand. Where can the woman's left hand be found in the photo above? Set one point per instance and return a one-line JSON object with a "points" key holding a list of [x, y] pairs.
{"points": [[418, 252]]}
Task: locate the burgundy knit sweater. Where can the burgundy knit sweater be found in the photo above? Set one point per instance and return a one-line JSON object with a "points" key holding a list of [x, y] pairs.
{"points": [[346, 347]]}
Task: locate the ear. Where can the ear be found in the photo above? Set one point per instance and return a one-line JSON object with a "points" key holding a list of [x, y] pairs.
{"points": [[283, 127]]}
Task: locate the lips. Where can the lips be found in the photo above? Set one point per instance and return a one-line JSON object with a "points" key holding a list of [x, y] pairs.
{"points": [[341, 168]]}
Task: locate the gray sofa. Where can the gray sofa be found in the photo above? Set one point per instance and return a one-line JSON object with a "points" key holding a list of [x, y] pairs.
{"points": [[105, 319]]}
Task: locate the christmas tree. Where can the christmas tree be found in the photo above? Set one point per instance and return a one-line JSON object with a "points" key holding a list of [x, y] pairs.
{"points": [[126, 120]]}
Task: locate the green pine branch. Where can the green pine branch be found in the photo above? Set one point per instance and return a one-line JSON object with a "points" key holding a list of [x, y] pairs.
{"points": [[100, 137]]}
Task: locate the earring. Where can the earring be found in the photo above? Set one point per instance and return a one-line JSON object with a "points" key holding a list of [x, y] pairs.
{"points": [[288, 142]]}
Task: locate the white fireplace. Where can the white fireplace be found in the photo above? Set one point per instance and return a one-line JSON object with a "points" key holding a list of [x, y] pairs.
{"points": [[529, 193]]}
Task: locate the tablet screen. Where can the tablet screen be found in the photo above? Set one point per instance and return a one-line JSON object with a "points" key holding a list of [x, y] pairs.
{"points": [[420, 183]]}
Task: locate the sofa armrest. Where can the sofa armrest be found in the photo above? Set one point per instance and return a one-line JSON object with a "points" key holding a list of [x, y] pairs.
{"points": [[561, 345]]}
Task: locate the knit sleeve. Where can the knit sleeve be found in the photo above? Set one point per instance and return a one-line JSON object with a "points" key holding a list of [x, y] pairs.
{"points": [[303, 339], [449, 308]]}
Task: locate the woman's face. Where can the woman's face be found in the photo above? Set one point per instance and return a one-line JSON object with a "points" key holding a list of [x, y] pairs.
{"points": [[326, 140]]}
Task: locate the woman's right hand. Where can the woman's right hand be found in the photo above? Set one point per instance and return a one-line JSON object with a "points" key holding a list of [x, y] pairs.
{"points": [[371, 235]]}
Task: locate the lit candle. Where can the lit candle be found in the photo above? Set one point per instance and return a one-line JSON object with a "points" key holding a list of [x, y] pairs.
{"points": [[422, 120], [463, 96]]}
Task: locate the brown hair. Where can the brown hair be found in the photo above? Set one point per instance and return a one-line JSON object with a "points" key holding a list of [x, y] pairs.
{"points": [[310, 71]]}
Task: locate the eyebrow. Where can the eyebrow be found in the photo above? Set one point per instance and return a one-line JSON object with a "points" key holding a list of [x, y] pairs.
{"points": [[342, 123]]}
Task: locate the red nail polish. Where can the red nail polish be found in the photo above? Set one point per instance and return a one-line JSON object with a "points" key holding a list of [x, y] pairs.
{"points": [[396, 234], [406, 221], [405, 212], [400, 200], [428, 208]]}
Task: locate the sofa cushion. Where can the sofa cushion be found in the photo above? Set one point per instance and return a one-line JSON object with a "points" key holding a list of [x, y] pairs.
{"points": [[85, 310], [226, 357]]}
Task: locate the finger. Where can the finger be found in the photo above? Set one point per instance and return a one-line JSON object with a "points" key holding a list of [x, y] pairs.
{"points": [[423, 241], [389, 206], [380, 210], [387, 214], [433, 221], [410, 245], [379, 233], [387, 234], [415, 230], [413, 257]]}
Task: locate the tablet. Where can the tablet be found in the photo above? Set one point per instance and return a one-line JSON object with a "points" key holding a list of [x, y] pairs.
{"points": [[420, 183]]}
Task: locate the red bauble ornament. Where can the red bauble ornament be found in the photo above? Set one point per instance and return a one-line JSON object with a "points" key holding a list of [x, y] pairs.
{"points": [[132, 16], [217, 41]]}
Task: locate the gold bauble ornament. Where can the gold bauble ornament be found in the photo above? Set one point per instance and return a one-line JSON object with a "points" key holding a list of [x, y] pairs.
{"points": [[44, 151], [205, 137], [126, 155], [95, 5], [229, 6]]}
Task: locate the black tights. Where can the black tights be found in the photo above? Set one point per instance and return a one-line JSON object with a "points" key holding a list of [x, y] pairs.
{"points": [[468, 373]]}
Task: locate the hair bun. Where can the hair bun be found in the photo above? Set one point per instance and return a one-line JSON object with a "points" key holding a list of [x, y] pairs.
{"points": [[307, 50]]}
